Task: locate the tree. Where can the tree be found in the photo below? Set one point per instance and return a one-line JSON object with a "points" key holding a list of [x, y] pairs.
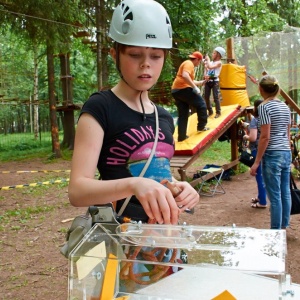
{"points": [[48, 22], [68, 108], [197, 25], [289, 10], [52, 103]]}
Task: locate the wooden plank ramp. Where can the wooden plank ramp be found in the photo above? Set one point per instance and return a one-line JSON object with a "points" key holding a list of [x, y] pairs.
{"points": [[182, 163]]}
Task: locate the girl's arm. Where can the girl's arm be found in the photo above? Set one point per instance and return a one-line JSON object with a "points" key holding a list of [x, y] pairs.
{"points": [[199, 82], [252, 136], [213, 64]]}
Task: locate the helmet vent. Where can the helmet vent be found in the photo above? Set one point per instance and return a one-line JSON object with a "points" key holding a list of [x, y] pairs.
{"points": [[125, 10], [168, 22], [126, 26], [129, 16]]}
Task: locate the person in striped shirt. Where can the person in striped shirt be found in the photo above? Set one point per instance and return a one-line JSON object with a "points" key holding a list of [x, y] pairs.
{"points": [[274, 151]]}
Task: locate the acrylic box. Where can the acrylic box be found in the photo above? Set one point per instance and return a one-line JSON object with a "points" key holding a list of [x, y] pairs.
{"points": [[143, 261]]}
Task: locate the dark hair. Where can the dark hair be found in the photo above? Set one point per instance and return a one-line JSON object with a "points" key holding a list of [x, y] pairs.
{"points": [[269, 84], [256, 104]]}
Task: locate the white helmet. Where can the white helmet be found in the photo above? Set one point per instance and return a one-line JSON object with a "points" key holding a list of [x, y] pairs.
{"points": [[221, 51], [142, 23]]}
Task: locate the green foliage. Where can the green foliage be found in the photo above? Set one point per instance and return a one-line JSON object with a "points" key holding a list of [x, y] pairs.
{"points": [[288, 10], [16, 68], [38, 24], [43, 21], [83, 69], [244, 18], [197, 25]]}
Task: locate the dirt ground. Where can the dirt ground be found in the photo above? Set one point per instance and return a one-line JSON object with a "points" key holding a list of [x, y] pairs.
{"points": [[31, 227]]}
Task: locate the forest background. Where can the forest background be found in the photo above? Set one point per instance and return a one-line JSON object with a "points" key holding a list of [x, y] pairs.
{"points": [[54, 54]]}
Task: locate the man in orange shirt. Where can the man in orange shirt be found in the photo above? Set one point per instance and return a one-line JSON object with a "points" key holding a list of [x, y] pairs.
{"points": [[186, 93]]}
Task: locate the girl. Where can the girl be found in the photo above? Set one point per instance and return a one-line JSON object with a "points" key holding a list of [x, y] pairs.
{"points": [[261, 200], [116, 128]]}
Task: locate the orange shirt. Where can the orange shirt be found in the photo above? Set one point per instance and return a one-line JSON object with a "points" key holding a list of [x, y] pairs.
{"points": [[179, 82]]}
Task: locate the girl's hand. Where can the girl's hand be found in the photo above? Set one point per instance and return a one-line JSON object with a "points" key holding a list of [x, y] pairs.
{"points": [[253, 169], [157, 201], [188, 198]]}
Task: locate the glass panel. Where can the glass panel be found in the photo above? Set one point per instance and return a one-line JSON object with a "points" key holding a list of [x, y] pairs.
{"points": [[146, 261]]}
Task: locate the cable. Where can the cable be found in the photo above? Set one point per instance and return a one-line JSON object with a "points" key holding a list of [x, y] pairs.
{"points": [[38, 18], [258, 55]]}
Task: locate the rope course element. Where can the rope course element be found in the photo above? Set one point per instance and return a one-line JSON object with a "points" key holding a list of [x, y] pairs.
{"points": [[35, 171], [19, 186], [39, 18]]}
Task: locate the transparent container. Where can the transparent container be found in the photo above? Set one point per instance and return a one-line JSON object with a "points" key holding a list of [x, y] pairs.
{"points": [[143, 261]]}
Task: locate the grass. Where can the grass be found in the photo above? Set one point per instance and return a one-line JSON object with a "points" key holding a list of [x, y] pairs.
{"points": [[219, 154], [39, 191], [14, 150], [24, 214], [22, 146]]}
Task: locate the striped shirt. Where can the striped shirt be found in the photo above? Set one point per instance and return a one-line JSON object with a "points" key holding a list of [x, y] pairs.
{"points": [[278, 115]]}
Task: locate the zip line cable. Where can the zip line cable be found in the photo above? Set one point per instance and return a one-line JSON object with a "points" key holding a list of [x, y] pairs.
{"points": [[57, 22], [259, 59], [39, 18]]}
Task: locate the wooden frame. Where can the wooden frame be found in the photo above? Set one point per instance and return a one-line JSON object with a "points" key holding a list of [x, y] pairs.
{"points": [[182, 163]]}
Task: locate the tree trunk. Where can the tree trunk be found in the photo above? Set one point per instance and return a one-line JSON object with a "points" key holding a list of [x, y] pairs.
{"points": [[99, 44], [52, 103], [35, 97], [68, 112]]}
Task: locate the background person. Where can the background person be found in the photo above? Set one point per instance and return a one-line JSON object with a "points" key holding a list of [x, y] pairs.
{"points": [[212, 71], [186, 93], [274, 151], [253, 136], [116, 128]]}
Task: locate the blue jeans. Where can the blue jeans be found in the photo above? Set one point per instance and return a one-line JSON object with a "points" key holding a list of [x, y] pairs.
{"points": [[262, 195], [276, 169]]}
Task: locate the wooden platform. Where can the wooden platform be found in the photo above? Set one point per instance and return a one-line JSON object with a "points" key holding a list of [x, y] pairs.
{"points": [[183, 162]]}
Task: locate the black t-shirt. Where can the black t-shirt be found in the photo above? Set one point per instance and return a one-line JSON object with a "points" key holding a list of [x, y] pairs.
{"points": [[129, 138]]}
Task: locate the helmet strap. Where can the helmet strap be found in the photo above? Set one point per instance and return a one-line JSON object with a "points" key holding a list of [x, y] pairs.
{"points": [[142, 105]]}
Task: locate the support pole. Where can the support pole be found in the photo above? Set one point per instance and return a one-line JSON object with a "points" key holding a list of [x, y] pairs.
{"points": [[233, 129]]}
